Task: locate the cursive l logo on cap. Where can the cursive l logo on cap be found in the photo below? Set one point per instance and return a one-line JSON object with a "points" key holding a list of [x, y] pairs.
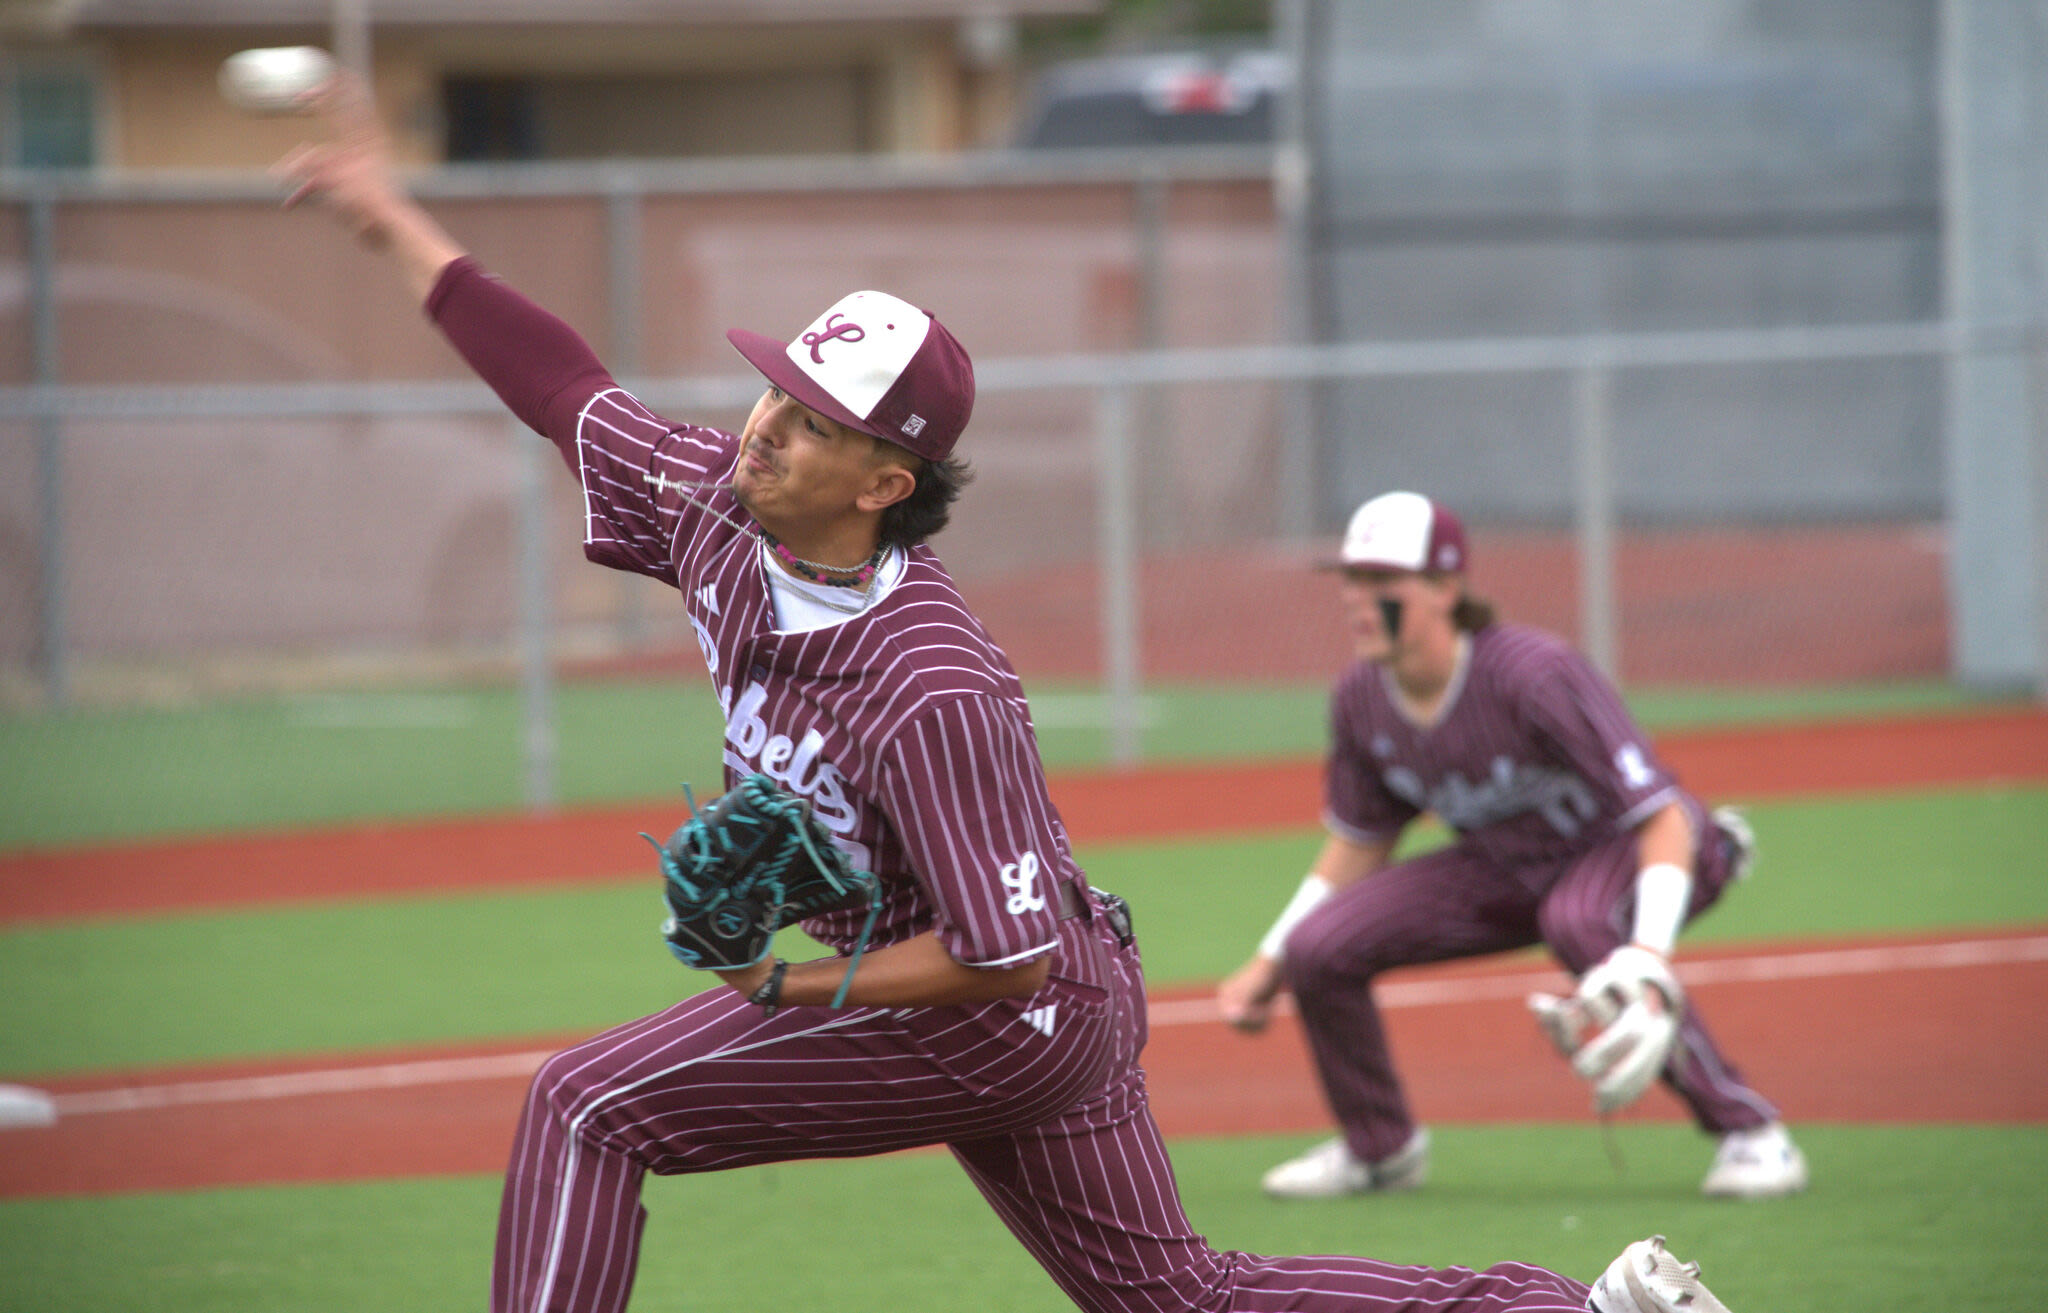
{"points": [[848, 331]]}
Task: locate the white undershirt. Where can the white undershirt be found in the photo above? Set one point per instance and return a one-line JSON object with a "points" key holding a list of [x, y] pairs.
{"points": [[802, 606]]}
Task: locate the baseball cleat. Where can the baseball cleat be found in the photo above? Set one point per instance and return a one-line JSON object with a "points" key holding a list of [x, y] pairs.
{"points": [[1330, 1170], [1647, 1279], [1756, 1164]]}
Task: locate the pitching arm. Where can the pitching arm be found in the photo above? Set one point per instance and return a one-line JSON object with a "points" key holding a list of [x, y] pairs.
{"points": [[351, 175], [535, 362]]}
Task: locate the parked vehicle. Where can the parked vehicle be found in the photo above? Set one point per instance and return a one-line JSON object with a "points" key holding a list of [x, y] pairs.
{"points": [[1156, 100]]}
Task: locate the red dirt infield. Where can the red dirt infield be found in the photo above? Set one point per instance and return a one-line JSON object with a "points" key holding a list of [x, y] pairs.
{"points": [[602, 843], [1794, 1016], [1467, 1047]]}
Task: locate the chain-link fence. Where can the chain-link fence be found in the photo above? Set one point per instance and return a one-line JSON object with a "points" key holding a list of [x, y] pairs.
{"points": [[235, 458]]}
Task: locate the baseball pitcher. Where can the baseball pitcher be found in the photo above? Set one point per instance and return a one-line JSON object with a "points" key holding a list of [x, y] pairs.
{"points": [[981, 995]]}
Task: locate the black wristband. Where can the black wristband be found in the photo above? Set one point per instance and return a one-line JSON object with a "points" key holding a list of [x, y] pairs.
{"points": [[769, 996]]}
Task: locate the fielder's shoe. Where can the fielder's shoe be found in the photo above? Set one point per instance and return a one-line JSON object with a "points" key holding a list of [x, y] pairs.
{"points": [[1647, 1279], [1330, 1169], [1741, 837], [1756, 1164]]}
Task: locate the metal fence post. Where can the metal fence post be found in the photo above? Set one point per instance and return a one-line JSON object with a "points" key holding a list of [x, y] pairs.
{"points": [[1293, 181], [52, 644], [625, 271], [537, 674], [1989, 70], [1593, 496], [1148, 205], [1120, 598], [349, 24], [2035, 260], [2036, 356]]}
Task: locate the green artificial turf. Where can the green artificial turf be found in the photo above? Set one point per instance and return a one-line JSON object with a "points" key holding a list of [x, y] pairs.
{"points": [[96, 775], [411, 1245], [1704, 708], [1884, 863], [396, 971], [317, 977], [92, 775], [1899, 1220]]}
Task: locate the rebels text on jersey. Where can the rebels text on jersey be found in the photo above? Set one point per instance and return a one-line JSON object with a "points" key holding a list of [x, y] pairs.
{"points": [[1532, 758], [904, 725]]}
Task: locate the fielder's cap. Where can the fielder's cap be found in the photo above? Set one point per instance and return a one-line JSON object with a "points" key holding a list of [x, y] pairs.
{"points": [[1403, 531], [876, 363]]}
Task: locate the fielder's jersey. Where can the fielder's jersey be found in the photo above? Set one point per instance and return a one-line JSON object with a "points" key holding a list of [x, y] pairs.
{"points": [[904, 725], [1532, 757]]}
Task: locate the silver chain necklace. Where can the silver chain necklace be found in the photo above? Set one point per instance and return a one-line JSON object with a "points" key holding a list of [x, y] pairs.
{"points": [[866, 575]]}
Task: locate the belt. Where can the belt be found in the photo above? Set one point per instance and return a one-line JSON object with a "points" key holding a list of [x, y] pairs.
{"points": [[1116, 913]]}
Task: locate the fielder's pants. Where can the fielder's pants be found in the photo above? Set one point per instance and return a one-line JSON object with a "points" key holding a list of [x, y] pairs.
{"points": [[1040, 1099], [1453, 903]]}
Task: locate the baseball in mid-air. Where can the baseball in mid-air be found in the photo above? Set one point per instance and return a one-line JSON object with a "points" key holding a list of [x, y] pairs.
{"points": [[274, 79]]}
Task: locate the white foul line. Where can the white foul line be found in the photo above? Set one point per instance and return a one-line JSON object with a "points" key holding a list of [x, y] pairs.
{"points": [[1711, 971], [1177, 1012], [286, 1085]]}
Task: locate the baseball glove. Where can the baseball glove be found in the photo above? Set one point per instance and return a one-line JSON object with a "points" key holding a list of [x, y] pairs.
{"points": [[751, 863], [1613, 1036]]}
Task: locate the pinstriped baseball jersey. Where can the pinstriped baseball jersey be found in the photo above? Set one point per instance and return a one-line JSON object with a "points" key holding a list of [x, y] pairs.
{"points": [[1531, 759], [904, 725]]}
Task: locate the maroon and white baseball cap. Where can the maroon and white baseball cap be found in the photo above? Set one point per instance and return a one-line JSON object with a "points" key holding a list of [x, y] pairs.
{"points": [[876, 363], [1403, 531]]}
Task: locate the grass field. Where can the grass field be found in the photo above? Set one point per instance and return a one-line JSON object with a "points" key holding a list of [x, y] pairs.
{"points": [[425, 969], [1900, 1217], [96, 775], [1900, 1220]]}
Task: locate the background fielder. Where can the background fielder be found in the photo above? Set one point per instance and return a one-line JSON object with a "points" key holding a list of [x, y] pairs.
{"points": [[1569, 833], [1001, 1008]]}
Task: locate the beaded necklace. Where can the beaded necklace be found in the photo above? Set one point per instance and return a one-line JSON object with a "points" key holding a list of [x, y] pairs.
{"points": [[818, 572], [864, 575]]}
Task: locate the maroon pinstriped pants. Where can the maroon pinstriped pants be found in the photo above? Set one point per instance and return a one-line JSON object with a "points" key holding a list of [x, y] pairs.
{"points": [[1452, 903], [1054, 1129]]}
